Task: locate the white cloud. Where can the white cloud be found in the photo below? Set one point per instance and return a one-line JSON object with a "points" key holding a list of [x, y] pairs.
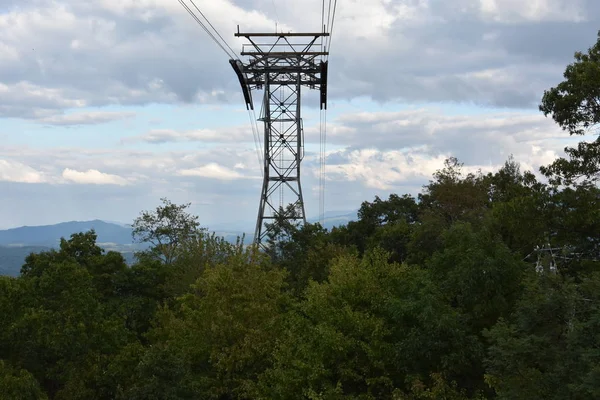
{"points": [[390, 170], [512, 11], [382, 170], [26, 99], [87, 118], [212, 171], [93, 177], [231, 134], [470, 136], [14, 171]]}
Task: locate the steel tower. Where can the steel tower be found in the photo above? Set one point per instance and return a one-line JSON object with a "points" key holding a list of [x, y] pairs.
{"points": [[282, 66]]}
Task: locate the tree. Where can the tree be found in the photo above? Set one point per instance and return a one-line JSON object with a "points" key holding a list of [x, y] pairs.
{"points": [[18, 384], [286, 221], [369, 331], [219, 336], [454, 196], [575, 102], [575, 106], [165, 229], [382, 223], [548, 347], [80, 248], [62, 334]]}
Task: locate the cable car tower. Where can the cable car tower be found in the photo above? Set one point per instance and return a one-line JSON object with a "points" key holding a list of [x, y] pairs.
{"points": [[281, 64]]}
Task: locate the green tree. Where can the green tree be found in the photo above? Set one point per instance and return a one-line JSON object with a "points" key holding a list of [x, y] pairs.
{"points": [[366, 333], [382, 223], [575, 105], [165, 229], [219, 337], [196, 253], [547, 349], [63, 335], [450, 197], [18, 384], [65, 321], [478, 274], [80, 248], [454, 196]]}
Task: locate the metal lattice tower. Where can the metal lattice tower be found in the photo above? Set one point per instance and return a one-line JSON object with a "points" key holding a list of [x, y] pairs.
{"points": [[282, 67]]}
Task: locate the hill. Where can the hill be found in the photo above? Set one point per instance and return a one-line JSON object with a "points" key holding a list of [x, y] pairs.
{"points": [[18, 243], [49, 235], [12, 258]]}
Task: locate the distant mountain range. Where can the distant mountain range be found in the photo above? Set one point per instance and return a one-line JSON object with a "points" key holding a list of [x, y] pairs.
{"points": [[49, 235], [17, 243]]}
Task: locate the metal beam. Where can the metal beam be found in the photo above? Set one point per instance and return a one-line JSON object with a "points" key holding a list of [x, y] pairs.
{"points": [[281, 34], [284, 53]]}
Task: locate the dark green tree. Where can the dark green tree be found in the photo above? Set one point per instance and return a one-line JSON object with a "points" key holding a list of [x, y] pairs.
{"points": [[575, 106], [371, 331], [382, 223], [18, 384], [165, 229], [547, 349], [216, 340]]}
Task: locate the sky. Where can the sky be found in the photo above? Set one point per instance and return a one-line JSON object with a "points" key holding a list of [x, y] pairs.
{"points": [[108, 106]]}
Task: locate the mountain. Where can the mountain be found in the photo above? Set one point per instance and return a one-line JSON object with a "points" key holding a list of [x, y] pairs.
{"points": [[12, 258], [18, 243], [336, 218], [49, 235]]}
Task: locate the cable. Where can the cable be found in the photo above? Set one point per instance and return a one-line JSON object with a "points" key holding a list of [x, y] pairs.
{"points": [[322, 22], [323, 15], [193, 15], [331, 30], [217, 32], [203, 27], [276, 15], [321, 212], [328, 14], [324, 162], [256, 142], [260, 143]]}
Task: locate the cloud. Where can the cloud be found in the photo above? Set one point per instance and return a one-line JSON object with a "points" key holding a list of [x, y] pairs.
{"points": [[473, 138], [232, 134], [87, 118], [70, 54], [514, 11], [381, 170], [212, 171], [390, 170], [14, 171], [29, 100], [92, 177], [377, 150]]}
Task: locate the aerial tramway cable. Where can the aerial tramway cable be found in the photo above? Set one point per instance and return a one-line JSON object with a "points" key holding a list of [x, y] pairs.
{"points": [[326, 24], [331, 27], [231, 54]]}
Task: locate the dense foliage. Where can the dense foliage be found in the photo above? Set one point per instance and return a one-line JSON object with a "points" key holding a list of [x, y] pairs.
{"points": [[485, 286]]}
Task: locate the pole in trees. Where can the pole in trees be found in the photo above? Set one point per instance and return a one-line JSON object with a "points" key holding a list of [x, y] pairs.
{"points": [[282, 66]]}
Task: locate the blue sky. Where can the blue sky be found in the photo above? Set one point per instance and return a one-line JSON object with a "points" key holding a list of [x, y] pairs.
{"points": [[106, 107]]}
